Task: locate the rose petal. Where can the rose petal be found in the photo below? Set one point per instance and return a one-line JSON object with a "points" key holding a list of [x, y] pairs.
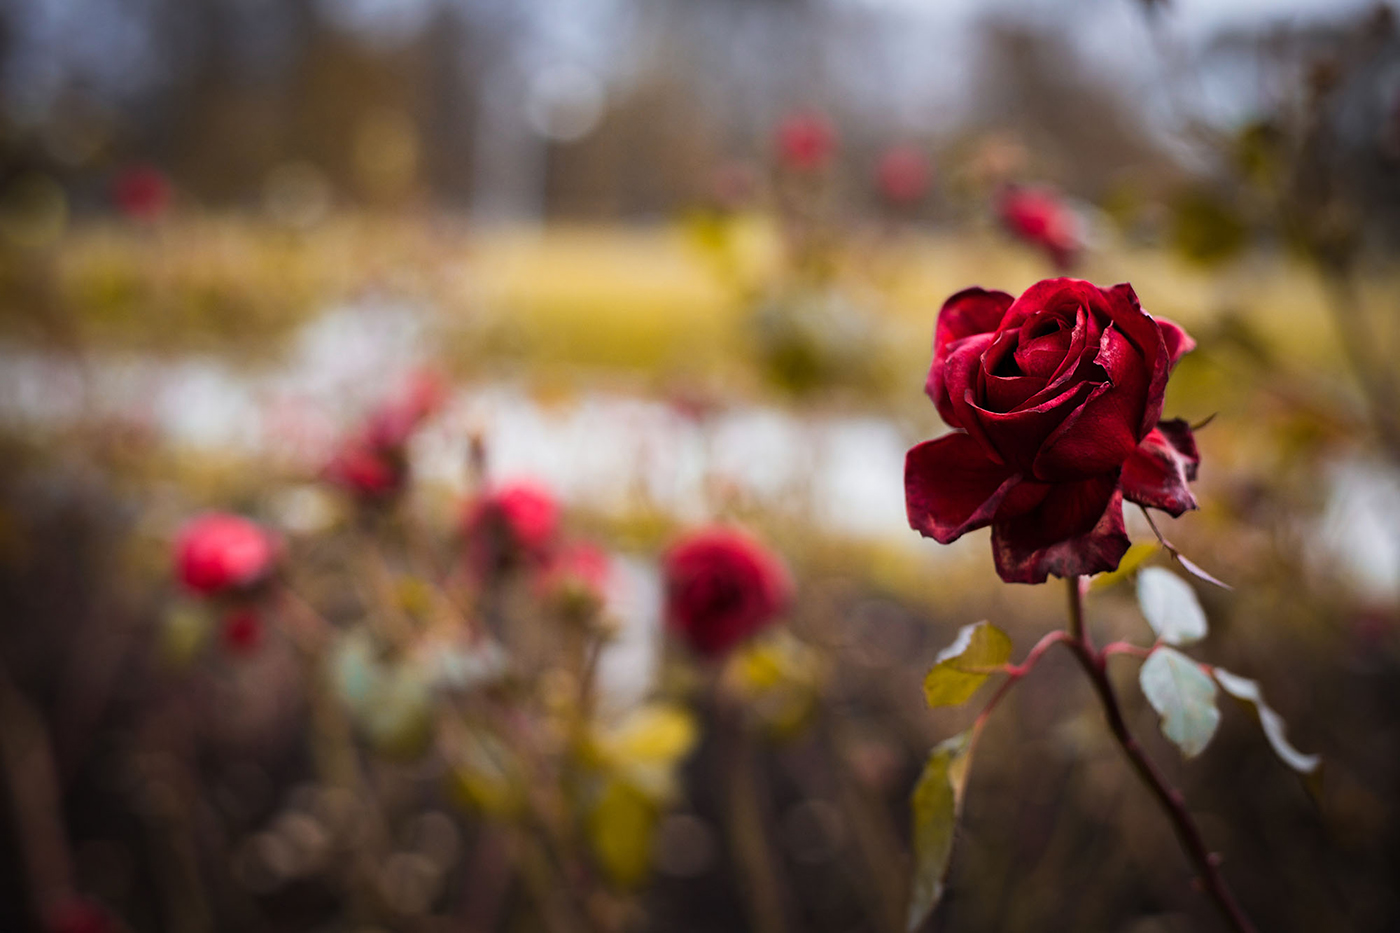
{"points": [[1103, 432], [1076, 530], [961, 373], [1178, 342], [1017, 436], [951, 487], [1142, 330], [969, 312], [1159, 469]]}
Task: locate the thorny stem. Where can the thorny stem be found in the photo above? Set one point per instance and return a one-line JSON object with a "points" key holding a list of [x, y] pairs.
{"points": [[1206, 863]]}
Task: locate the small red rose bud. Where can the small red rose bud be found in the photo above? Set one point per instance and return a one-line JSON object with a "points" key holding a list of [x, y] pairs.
{"points": [[219, 552], [372, 463], [1041, 218], [806, 142], [903, 176], [575, 580], [722, 586], [142, 192], [511, 525]]}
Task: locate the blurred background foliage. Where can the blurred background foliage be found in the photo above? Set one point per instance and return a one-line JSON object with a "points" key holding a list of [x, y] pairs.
{"points": [[228, 228]]}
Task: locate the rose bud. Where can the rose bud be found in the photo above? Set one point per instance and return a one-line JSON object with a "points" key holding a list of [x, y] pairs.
{"points": [[372, 463], [806, 142], [903, 176], [722, 587], [1055, 399], [242, 631], [1041, 218], [575, 581], [142, 192], [513, 525], [221, 553]]}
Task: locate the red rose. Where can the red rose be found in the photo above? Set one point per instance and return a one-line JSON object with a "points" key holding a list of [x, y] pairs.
{"points": [[806, 142], [513, 524], [218, 553], [722, 587], [1039, 217], [576, 579], [1056, 396], [903, 176], [373, 461]]}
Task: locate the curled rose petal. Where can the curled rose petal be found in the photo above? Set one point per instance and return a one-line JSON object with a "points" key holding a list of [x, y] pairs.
{"points": [[1076, 530], [951, 487], [971, 311], [1159, 469], [1178, 342]]}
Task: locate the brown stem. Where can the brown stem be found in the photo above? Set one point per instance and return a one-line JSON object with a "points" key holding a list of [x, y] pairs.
{"points": [[1207, 864], [747, 832]]}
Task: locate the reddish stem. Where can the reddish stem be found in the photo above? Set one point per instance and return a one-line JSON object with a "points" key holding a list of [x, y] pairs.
{"points": [[1207, 864]]}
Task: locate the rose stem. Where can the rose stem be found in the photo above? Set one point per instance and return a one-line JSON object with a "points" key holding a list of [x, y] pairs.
{"points": [[747, 831], [1173, 804]]}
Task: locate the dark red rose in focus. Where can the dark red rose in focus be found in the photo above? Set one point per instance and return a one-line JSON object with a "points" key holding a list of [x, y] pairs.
{"points": [[373, 461], [242, 631], [512, 525], [218, 553], [142, 192], [1041, 218], [721, 588], [903, 176], [806, 142], [1055, 397]]}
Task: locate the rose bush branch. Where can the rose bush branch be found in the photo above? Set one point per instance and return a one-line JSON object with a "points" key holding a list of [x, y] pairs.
{"points": [[1206, 863]]}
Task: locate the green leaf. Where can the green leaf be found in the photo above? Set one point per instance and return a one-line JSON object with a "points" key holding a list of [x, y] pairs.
{"points": [[937, 802], [1246, 690], [1171, 606], [965, 664], [1184, 696], [1134, 558]]}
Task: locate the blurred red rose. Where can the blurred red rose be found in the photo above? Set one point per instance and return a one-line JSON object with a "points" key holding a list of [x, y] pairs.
{"points": [[903, 176], [142, 192], [576, 579], [722, 587], [806, 142], [512, 525], [218, 553], [1041, 218], [242, 631], [1056, 397], [373, 461]]}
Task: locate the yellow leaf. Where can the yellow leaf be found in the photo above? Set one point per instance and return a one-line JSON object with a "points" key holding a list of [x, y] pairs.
{"points": [[965, 664], [620, 827], [1135, 557], [936, 804]]}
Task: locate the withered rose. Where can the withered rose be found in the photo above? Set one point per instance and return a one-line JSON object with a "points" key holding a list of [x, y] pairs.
{"points": [[1056, 398]]}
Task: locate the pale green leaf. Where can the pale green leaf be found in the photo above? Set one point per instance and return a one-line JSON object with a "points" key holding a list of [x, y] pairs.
{"points": [[1135, 557], [936, 803], [965, 664], [1242, 688], [1184, 696], [1170, 606]]}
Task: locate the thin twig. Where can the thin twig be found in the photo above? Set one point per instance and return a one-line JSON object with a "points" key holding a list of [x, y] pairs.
{"points": [[1207, 864]]}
